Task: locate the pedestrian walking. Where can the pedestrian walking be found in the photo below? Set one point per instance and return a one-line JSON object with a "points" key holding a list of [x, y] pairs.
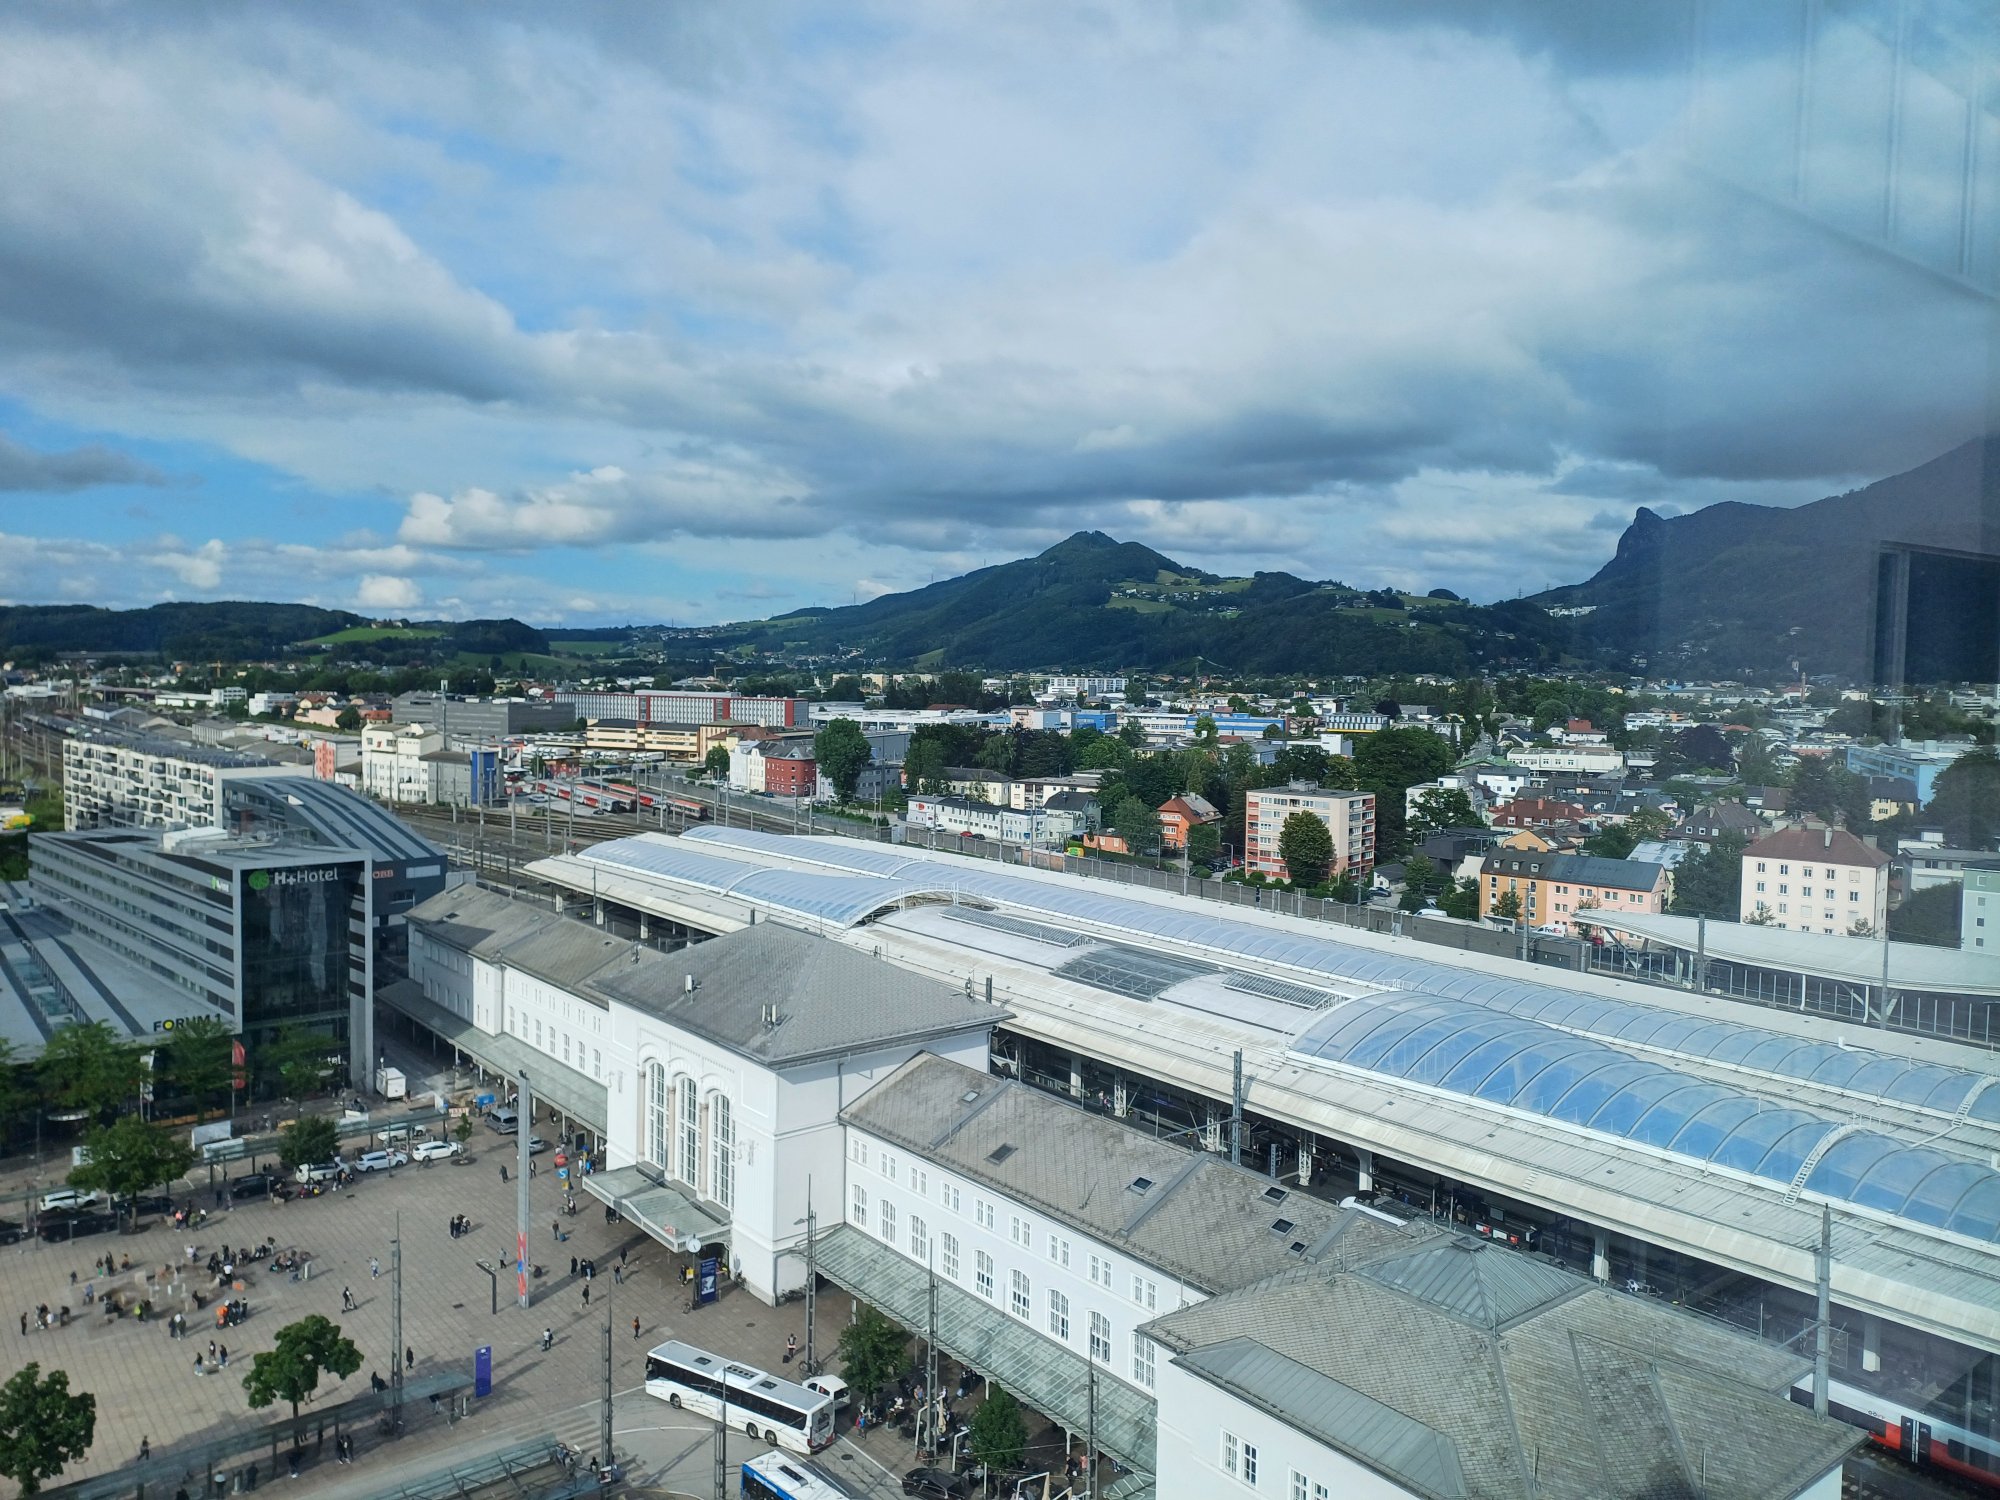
{"points": [[621, 1255], [572, 1265], [145, 1449], [223, 1357], [211, 1348], [24, 1325], [374, 1268], [618, 1276], [503, 1171], [586, 1294], [346, 1300], [635, 1328], [555, 1231], [409, 1358]]}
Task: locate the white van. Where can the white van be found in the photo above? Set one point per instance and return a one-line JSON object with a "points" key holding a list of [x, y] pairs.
{"points": [[504, 1120]]}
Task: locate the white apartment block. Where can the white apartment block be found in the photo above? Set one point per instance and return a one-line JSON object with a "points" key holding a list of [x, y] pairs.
{"points": [[393, 767], [153, 784], [1822, 880], [1089, 687], [1349, 817], [1583, 760]]}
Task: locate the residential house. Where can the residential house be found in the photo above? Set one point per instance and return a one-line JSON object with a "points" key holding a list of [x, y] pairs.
{"points": [[1560, 890], [1535, 812], [1813, 879], [1712, 820], [1179, 814]]}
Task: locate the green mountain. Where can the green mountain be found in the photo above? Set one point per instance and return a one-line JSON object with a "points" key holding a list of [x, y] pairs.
{"points": [[224, 631], [1093, 602], [1751, 588]]}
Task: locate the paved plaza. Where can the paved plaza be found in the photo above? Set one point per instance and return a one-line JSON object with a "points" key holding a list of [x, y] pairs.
{"points": [[148, 1389]]}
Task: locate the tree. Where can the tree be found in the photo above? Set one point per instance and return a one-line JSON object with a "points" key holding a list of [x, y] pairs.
{"points": [[300, 1058], [1442, 808], [1705, 746], [199, 1059], [842, 752], [1204, 729], [13, 1093], [998, 1433], [1929, 916], [1760, 916], [86, 1067], [1306, 846], [1618, 840], [1303, 763], [1138, 824], [130, 1156], [291, 1371], [1709, 882], [1507, 905], [1462, 900], [42, 1426], [462, 1131], [872, 1350], [308, 1139], [1132, 734], [716, 762], [1204, 844], [348, 719], [1423, 882], [1966, 800], [1390, 762]]}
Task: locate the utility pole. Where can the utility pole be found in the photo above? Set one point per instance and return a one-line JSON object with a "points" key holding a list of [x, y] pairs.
{"points": [[524, 1118], [1236, 1113], [396, 1306], [1822, 1318], [812, 1283], [604, 1408], [1090, 1423], [927, 1422], [722, 1442]]}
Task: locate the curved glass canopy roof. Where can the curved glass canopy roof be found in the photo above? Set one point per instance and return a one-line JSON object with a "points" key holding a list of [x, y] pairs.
{"points": [[1466, 1048], [1626, 1022]]}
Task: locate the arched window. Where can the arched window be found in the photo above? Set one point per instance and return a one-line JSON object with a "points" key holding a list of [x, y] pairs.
{"points": [[689, 1167], [658, 1117], [721, 1151]]}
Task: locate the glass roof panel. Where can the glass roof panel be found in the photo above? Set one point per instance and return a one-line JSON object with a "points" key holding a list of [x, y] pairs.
{"points": [[1479, 1064], [1886, 1185], [1783, 1160], [1622, 1110], [1555, 1082], [1838, 1071], [1750, 1142], [1671, 1112], [1846, 1162], [1978, 1212], [1590, 1093], [1936, 1195], [1507, 1082], [1414, 1055], [1703, 1135], [1987, 1105]]}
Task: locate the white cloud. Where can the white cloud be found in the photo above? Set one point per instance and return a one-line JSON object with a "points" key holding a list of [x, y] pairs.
{"points": [[386, 591]]}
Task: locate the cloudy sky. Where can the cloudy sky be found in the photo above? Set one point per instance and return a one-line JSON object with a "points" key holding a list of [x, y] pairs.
{"points": [[598, 313]]}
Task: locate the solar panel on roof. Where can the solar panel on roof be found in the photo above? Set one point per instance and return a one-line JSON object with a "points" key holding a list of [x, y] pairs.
{"points": [[1131, 971], [1303, 995], [1039, 932]]}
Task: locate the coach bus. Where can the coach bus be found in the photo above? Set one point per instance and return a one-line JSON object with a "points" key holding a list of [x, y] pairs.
{"points": [[772, 1476], [762, 1405]]}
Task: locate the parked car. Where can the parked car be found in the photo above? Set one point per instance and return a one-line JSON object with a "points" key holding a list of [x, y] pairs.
{"points": [[70, 1226], [11, 1233], [66, 1199], [935, 1484], [380, 1161], [320, 1171], [504, 1120], [432, 1150], [255, 1185], [536, 1145]]}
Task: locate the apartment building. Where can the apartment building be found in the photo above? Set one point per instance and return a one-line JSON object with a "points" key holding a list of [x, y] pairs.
{"points": [[1979, 908], [1349, 817], [1919, 763], [965, 817], [393, 768], [686, 744], [1561, 890], [667, 706], [1811, 879], [153, 783]]}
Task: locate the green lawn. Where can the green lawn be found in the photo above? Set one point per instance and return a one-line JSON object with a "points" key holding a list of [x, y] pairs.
{"points": [[355, 633], [590, 648], [1140, 606]]}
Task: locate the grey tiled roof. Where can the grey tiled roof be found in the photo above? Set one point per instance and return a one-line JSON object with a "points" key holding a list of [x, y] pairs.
{"points": [[830, 999], [1458, 1276], [1337, 1415], [1201, 1220], [1592, 1395]]}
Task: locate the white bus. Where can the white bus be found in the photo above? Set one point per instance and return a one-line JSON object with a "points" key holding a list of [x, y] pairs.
{"points": [[772, 1476], [762, 1405]]}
